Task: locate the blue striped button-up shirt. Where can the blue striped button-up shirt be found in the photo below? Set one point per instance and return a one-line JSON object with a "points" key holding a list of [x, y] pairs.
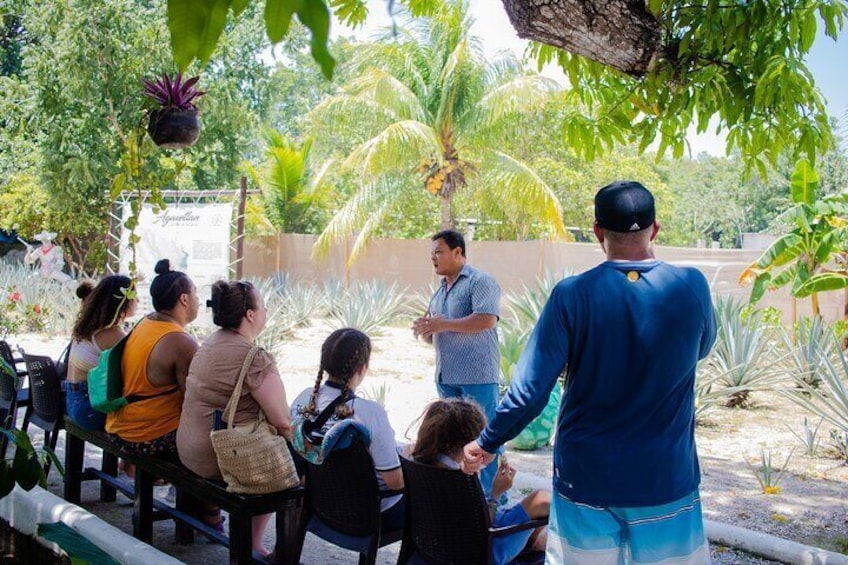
{"points": [[467, 358]]}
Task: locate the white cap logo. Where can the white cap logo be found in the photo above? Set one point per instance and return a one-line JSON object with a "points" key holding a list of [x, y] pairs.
{"points": [[635, 227]]}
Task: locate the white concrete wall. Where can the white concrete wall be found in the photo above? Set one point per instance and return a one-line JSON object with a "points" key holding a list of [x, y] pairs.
{"points": [[25, 510], [513, 263]]}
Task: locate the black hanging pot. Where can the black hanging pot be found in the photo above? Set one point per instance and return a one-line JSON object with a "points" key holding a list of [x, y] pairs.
{"points": [[173, 128]]}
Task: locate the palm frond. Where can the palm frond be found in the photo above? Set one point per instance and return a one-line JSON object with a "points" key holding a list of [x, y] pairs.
{"points": [[449, 81], [380, 87], [344, 108], [520, 192], [374, 221], [504, 66], [364, 204], [401, 56], [521, 95], [401, 142]]}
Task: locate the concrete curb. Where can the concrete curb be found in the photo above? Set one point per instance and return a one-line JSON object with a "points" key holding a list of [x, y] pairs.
{"points": [[25, 510], [771, 547]]}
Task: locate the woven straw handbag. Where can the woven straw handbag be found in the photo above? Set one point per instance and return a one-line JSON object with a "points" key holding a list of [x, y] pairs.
{"points": [[253, 458]]}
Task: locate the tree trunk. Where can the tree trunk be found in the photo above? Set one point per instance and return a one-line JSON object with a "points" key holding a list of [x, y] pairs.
{"points": [[621, 34], [447, 219], [815, 299]]}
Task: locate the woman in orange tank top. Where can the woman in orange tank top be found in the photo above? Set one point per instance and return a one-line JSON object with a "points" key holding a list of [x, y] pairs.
{"points": [[154, 366]]}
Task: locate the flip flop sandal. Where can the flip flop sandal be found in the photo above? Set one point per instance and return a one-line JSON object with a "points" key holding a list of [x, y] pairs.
{"points": [[207, 517]]}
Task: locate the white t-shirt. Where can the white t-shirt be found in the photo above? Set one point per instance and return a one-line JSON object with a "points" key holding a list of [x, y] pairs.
{"points": [[383, 448]]}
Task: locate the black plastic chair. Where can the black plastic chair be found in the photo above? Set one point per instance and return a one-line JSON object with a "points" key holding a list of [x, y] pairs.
{"points": [[12, 394], [47, 407], [448, 521], [342, 503]]}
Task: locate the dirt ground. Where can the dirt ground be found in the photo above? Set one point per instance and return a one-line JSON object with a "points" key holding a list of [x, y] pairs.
{"points": [[811, 507]]}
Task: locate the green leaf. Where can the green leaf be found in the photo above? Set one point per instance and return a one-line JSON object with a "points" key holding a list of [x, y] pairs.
{"points": [[315, 16], [781, 251], [829, 243], [804, 182], [823, 282], [57, 463], [759, 287], [216, 18], [117, 185], [186, 21], [7, 479], [77, 546], [808, 31], [238, 6], [784, 277], [278, 15], [801, 278], [350, 12], [7, 368], [420, 8], [26, 466]]}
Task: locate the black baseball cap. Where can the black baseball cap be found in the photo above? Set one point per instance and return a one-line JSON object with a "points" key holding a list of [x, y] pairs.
{"points": [[624, 206]]}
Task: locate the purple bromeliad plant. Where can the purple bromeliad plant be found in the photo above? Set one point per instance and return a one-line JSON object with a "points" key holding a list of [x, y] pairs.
{"points": [[173, 93], [175, 124]]}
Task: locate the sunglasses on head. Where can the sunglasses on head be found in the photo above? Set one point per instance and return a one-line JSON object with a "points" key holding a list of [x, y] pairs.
{"points": [[245, 290]]}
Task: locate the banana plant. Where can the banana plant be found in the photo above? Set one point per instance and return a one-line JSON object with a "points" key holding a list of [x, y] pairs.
{"points": [[811, 256]]}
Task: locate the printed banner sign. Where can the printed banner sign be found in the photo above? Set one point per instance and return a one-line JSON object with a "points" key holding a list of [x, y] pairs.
{"points": [[194, 237]]}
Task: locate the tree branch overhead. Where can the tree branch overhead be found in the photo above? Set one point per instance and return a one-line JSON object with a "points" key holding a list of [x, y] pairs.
{"points": [[619, 33]]}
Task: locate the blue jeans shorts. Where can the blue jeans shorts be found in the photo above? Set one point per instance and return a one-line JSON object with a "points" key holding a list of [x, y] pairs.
{"points": [[78, 407]]}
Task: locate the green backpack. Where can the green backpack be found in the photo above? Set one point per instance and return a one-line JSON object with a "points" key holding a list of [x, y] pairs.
{"points": [[106, 382]]}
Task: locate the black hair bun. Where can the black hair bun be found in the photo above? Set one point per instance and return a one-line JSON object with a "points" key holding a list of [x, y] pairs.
{"points": [[84, 289], [163, 267]]}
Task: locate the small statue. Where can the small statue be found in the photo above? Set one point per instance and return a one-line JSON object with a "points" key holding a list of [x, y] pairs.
{"points": [[51, 256]]}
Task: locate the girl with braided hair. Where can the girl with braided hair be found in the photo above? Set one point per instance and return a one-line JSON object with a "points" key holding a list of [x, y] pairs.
{"points": [[344, 361]]}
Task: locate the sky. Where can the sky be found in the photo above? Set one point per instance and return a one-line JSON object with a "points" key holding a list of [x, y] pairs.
{"points": [[494, 29]]}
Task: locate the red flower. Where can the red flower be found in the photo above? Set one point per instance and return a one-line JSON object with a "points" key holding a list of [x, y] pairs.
{"points": [[15, 296], [36, 309]]}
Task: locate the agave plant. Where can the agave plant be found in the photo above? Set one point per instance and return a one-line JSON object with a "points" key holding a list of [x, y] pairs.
{"points": [[368, 306], [742, 360], [334, 295], [527, 306], [304, 302], [810, 343], [173, 93], [829, 400], [511, 342]]}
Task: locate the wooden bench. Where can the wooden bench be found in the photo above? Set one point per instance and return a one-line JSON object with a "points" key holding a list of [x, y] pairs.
{"points": [[190, 489]]}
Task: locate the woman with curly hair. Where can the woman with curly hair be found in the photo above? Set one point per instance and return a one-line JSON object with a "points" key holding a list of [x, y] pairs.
{"points": [[99, 326]]}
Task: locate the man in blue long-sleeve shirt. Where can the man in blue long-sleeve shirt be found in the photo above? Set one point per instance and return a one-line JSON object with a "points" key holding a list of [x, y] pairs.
{"points": [[627, 336]]}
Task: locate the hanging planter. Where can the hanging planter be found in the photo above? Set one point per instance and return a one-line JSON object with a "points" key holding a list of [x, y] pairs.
{"points": [[174, 125], [173, 128]]}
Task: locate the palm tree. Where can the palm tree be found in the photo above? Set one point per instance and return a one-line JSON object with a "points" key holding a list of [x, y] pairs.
{"points": [[433, 106], [293, 194]]}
